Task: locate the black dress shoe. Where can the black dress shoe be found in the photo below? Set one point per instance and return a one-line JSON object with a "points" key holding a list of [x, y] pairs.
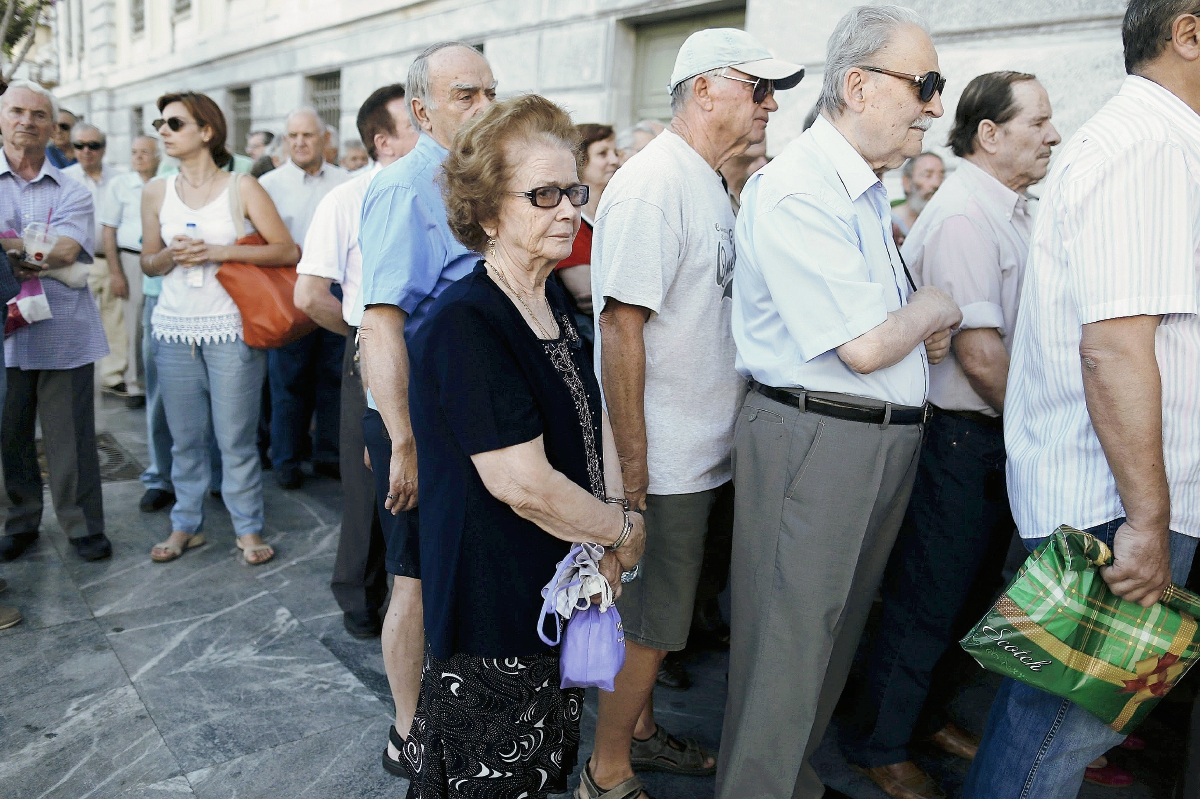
{"points": [[290, 478], [672, 674], [362, 624], [155, 499], [92, 547], [13, 546], [331, 470]]}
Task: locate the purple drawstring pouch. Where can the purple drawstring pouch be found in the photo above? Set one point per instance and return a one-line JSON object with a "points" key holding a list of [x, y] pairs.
{"points": [[593, 649]]}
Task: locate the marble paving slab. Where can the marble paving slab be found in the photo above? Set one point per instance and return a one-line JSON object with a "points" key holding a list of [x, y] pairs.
{"points": [[342, 763], [227, 675], [41, 586]]}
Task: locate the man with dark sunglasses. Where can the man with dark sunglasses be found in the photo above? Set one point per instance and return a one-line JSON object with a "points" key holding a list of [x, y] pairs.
{"points": [[106, 279], [662, 267], [837, 342], [59, 152]]}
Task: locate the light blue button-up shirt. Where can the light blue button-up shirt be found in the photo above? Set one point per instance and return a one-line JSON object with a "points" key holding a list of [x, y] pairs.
{"points": [[409, 255], [817, 267]]}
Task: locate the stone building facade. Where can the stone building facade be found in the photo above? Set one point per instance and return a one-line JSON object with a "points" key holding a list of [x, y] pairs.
{"points": [[605, 60]]}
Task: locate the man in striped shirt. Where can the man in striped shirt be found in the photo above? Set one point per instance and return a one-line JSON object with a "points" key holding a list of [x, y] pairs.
{"points": [[1103, 405]]}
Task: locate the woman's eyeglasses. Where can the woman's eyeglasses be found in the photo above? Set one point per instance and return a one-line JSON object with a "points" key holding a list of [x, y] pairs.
{"points": [[928, 85], [174, 123], [763, 88], [551, 196], [94, 146]]}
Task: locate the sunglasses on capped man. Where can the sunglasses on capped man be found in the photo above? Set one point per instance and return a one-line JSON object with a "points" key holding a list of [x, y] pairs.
{"points": [[763, 88], [94, 146], [551, 196], [928, 85]]}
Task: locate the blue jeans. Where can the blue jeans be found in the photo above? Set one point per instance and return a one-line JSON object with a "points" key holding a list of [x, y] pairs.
{"points": [[306, 377], [158, 434], [212, 389], [1037, 745], [946, 564]]}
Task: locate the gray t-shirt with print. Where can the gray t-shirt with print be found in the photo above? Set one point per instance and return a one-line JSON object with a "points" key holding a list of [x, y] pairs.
{"points": [[664, 240]]}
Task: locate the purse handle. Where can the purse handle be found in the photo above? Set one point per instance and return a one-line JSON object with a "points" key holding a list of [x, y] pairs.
{"points": [[236, 209]]}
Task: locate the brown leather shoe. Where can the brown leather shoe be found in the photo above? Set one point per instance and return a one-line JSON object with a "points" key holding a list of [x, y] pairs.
{"points": [[954, 740], [905, 780]]}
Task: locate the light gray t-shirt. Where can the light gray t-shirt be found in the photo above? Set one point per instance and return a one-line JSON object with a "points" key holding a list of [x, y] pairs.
{"points": [[664, 240]]}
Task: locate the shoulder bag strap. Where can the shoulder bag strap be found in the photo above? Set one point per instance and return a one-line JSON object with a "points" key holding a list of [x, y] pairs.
{"points": [[236, 209]]}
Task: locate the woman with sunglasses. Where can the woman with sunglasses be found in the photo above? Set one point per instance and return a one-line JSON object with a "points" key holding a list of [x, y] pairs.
{"points": [[516, 458], [209, 378]]}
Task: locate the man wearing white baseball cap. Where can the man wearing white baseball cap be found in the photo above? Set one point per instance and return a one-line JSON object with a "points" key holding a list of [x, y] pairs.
{"points": [[662, 269]]}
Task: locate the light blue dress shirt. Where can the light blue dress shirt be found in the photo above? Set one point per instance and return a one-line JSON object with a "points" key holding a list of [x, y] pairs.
{"points": [[817, 267], [409, 255]]}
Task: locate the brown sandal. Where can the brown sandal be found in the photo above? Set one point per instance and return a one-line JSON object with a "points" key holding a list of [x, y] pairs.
{"points": [[588, 789], [664, 752], [172, 551]]}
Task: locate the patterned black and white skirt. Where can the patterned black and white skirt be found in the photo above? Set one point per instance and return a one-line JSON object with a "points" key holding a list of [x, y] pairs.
{"points": [[490, 728]]}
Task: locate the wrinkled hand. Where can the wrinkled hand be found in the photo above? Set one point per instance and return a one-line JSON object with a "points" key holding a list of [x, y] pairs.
{"points": [[21, 270], [120, 286], [937, 346], [631, 551], [949, 315], [1141, 567], [402, 478], [610, 569], [636, 479]]}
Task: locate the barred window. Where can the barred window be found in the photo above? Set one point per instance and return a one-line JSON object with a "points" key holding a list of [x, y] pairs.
{"points": [[325, 95], [137, 121], [137, 16], [182, 6], [241, 118]]}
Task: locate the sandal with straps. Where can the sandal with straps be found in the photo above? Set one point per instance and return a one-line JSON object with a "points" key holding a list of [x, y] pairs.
{"points": [[167, 552], [397, 767], [664, 752], [250, 553], [588, 789]]}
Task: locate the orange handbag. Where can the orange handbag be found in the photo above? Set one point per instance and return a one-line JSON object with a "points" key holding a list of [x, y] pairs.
{"points": [[263, 294]]}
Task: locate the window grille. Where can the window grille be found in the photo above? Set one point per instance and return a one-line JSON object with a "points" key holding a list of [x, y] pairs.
{"points": [[241, 118], [325, 95], [137, 16], [181, 6], [137, 121]]}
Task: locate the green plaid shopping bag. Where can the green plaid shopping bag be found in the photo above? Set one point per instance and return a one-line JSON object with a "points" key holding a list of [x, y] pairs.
{"points": [[1060, 629]]}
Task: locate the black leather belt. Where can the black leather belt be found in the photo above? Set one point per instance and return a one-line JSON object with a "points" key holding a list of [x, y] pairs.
{"points": [[129, 250], [981, 419], [900, 414]]}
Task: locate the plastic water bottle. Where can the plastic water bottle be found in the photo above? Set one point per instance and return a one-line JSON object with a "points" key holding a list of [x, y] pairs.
{"points": [[194, 275]]}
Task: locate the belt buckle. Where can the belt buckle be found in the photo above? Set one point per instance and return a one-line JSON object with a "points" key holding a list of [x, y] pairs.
{"points": [[926, 413]]}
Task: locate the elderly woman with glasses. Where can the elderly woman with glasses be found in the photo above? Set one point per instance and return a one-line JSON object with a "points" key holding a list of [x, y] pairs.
{"points": [[517, 461], [209, 378]]}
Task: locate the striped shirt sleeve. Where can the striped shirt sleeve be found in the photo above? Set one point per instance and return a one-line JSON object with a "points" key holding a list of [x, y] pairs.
{"points": [[1128, 235]]}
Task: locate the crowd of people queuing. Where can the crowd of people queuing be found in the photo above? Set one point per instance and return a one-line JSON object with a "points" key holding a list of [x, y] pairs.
{"points": [[728, 371]]}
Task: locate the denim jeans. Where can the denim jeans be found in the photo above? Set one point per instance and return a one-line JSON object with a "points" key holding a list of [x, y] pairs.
{"points": [[1037, 745], [158, 434], [955, 535], [212, 389], [306, 377]]}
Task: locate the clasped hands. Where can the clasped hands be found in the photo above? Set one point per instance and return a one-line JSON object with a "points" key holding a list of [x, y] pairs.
{"points": [[624, 559], [194, 252]]}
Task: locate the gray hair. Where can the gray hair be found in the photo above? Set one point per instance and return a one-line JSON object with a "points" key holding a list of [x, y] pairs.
{"points": [[353, 144], [681, 95], [625, 137], [85, 127], [37, 88], [306, 109], [419, 84], [149, 138], [911, 164], [863, 32]]}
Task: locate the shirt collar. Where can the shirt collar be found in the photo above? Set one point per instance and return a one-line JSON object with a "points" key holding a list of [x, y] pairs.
{"points": [[306, 176], [48, 170], [851, 167], [429, 147], [992, 190], [1153, 94]]}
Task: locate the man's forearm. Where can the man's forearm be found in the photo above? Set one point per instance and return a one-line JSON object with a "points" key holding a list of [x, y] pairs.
{"points": [[111, 252], [385, 363], [890, 342], [312, 295], [984, 361], [623, 370], [1123, 390]]}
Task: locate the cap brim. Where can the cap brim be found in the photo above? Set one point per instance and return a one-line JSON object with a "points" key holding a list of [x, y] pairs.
{"points": [[784, 73]]}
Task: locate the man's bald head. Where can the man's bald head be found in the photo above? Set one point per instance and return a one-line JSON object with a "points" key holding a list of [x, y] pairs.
{"points": [[306, 138]]}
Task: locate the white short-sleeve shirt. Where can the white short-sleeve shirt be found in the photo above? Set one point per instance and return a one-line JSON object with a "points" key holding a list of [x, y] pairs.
{"points": [[331, 246], [1117, 234], [296, 193]]}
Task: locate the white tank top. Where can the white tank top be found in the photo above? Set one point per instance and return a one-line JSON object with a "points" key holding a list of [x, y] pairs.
{"points": [[186, 313]]}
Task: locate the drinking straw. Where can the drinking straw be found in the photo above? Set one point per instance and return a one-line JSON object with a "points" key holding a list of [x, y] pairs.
{"points": [[49, 214]]}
